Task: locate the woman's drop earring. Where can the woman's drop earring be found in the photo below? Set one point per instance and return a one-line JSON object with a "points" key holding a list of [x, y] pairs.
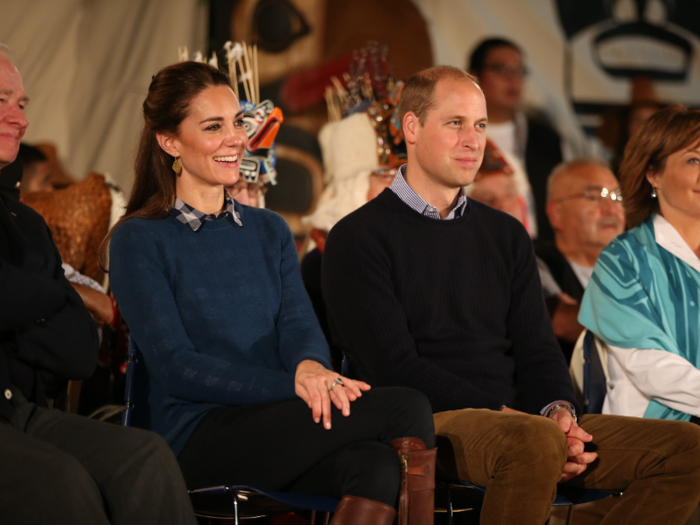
{"points": [[653, 192], [177, 167]]}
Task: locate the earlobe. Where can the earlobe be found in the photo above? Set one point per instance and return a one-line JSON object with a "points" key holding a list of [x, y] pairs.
{"points": [[552, 210], [409, 127], [652, 178], [168, 143]]}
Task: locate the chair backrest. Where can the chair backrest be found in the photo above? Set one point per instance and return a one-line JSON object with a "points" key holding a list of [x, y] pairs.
{"points": [[594, 378], [347, 369], [589, 372], [73, 396], [137, 412]]}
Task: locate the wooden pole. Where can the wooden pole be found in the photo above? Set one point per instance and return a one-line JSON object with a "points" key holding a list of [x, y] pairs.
{"points": [[255, 69], [249, 75], [232, 74], [243, 75]]}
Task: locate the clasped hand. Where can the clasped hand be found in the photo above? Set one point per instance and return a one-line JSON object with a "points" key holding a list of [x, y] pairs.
{"points": [[314, 384], [576, 438], [577, 459]]}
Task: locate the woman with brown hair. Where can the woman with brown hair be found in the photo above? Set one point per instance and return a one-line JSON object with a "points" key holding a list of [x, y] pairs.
{"points": [[644, 295], [241, 382]]}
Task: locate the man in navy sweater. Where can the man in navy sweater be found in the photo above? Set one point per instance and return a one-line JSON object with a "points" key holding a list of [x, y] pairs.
{"points": [[56, 467], [427, 289]]}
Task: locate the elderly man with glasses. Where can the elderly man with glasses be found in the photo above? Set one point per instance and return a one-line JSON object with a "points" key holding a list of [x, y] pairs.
{"points": [[584, 207], [499, 65]]}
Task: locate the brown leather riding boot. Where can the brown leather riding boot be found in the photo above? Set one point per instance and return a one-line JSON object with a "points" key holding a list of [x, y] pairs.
{"points": [[417, 496], [353, 510]]}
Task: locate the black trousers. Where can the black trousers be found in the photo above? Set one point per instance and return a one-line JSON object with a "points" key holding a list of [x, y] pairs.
{"points": [[65, 469], [277, 446]]}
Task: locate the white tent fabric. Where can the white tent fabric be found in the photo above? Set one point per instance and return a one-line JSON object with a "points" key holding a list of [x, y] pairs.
{"points": [[87, 63], [86, 66]]}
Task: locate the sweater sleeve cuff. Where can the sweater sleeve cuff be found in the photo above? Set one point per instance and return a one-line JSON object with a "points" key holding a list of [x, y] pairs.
{"points": [[313, 357], [546, 409]]}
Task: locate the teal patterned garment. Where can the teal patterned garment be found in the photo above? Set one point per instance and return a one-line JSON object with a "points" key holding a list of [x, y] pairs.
{"points": [[642, 296]]}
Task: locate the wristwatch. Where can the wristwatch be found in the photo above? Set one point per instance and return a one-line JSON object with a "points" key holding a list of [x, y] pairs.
{"points": [[567, 407]]}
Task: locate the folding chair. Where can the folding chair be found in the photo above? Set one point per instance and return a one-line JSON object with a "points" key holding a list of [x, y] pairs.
{"points": [[589, 372], [455, 500], [239, 502], [595, 376]]}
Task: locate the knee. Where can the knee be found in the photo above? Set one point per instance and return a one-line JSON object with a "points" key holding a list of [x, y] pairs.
{"points": [[143, 448], [139, 439], [535, 441], [413, 415], [689, 433], [414, 401], [687, 444]]}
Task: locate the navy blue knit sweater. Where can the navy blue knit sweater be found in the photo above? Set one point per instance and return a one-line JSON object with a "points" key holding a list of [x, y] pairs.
{"points": [[221, 314], [451, 308]]}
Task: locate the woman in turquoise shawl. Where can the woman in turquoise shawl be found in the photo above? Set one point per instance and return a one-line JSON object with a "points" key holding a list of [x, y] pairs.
{"points": [[644, 295]]}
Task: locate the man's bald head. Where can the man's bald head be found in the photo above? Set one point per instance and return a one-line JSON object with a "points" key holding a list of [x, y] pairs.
{"points": [[559, 181], [13, 122]]}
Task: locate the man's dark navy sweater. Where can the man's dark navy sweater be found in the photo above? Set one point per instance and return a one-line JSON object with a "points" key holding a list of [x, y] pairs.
{"points": [[451, 308]]}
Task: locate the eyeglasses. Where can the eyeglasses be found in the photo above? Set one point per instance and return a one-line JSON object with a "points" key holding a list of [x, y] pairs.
{"points": [[386, 174], [596, 195], [505, 71]]}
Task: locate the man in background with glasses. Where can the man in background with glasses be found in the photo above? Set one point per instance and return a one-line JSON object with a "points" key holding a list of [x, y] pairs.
{"points": [[584, 207], [499, 66]]}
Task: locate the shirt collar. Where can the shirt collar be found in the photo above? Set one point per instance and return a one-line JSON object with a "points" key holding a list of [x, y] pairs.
{"points": [[194, 218], [401, 188], [669, 239]]}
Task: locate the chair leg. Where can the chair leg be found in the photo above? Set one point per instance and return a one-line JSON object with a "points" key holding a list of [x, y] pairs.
{"points": [[73, 396], [235, 509], [570, 515], [328, 518], [450, 506], [312, 521]]}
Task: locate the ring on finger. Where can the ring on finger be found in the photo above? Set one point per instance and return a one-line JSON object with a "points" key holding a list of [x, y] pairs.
{"points": [[338, 381]]}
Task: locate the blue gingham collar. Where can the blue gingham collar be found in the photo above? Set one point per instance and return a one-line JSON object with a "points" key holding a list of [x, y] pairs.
{"points": [[401, 188], [194, 218]]}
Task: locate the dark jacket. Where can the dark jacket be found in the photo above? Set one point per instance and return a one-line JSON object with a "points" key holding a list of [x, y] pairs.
{"points": [[542, 154], [565, 277], [47, 336], [560, 268]]}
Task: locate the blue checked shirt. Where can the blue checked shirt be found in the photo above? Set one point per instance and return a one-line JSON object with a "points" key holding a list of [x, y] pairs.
{"points": [[416, 202], [187, 215], [404, 192]]}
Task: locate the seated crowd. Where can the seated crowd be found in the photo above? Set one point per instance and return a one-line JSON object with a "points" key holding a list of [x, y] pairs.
{"points": [[457, 328]]}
